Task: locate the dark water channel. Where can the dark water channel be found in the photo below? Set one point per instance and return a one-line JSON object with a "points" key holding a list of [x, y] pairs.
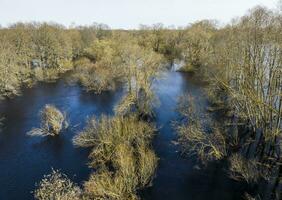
{"points": [[24, 160], [179, 178]]}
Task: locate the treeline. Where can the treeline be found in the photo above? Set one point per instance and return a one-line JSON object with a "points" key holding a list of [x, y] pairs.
{"points": [[243, 62], [40, 51], [31, 52]]}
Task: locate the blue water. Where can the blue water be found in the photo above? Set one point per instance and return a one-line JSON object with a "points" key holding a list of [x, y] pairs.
{"points": [[178, 177], [24, 160]]}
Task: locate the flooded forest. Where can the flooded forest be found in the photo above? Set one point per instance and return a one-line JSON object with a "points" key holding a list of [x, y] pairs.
{"points": [[156, 113]]}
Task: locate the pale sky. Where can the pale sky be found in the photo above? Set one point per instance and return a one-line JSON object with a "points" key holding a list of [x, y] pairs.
{"points": [[125, 14]]}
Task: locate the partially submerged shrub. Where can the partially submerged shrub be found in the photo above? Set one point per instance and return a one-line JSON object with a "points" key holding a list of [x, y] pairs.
{"points": [[57, 186], [105, 185], [53, 121], [126, 105], [128, 173], [141, 104], [118, 184], [194, 137], [207, 146], [121, 154], [244, 169], [105, 133]]}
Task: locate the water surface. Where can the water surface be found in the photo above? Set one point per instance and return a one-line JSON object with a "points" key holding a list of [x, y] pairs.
{"points": [[24, 160], [178, 177]]}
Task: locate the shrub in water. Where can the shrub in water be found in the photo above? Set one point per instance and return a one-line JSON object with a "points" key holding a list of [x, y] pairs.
{"points": [[193, 136], [57, 186], [249, 170], [52, 122], [121, 155]]}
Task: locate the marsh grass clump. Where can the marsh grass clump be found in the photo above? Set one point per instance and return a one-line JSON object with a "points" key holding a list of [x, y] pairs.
{"points": [[121, 155], [57, 186], [53, 121]]}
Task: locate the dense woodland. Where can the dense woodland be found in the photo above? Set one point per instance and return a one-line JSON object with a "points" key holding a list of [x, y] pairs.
{"points": [[242, 63]]}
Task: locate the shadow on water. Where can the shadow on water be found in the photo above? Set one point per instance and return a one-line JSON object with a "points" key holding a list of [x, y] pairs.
{"points": [[177, 178], [24, 160]]}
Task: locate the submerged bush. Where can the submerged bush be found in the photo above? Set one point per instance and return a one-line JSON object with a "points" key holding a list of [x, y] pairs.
{"points": [[194, 137], [106, 134], [126, 105], [106, 185], [53, 121], [57, 186], [207, 146], [129, 173], [121, 154], [245, 169]]}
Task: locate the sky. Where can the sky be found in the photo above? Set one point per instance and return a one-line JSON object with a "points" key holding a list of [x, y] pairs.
{"points": [[125, 14]]}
